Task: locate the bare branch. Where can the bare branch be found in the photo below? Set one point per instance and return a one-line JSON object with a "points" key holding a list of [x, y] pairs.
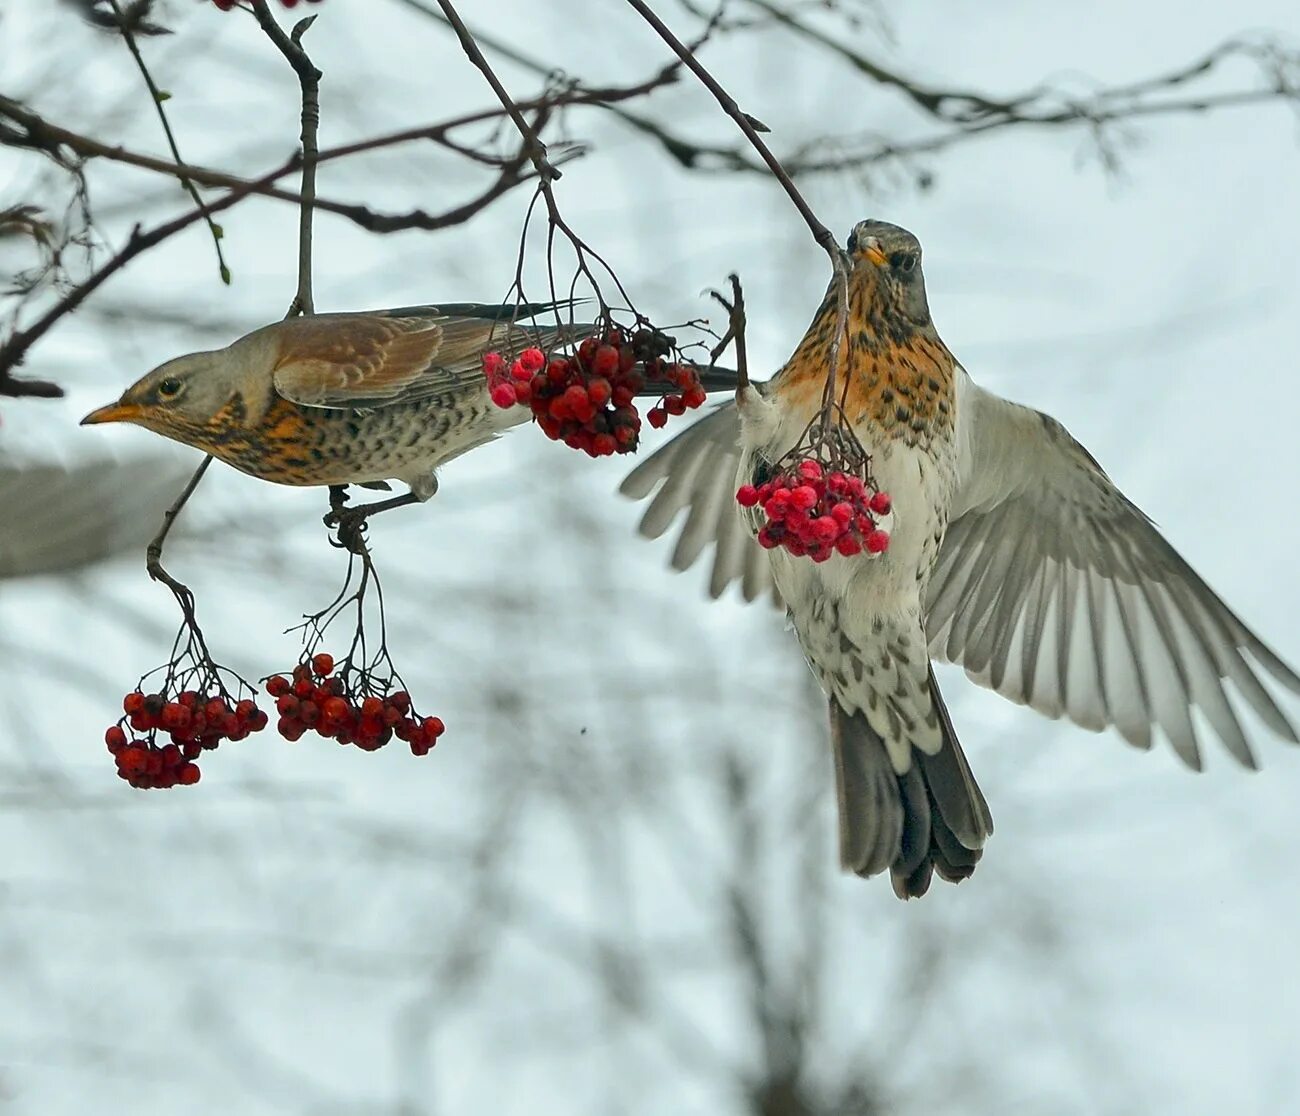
{"points": [[158, 96]]}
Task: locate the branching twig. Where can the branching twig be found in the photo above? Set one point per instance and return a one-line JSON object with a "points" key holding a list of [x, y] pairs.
{"points": [[153, 554], [735, 332], [534, 148], [125, 27], [309, 80], [15, 348]]}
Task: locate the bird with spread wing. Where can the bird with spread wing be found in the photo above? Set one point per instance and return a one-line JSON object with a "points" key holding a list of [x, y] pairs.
{"points": [[1012, 554]]}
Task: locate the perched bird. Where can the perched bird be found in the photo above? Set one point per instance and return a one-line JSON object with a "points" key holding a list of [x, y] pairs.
{"points": [[1012, 553], [337, 399]]}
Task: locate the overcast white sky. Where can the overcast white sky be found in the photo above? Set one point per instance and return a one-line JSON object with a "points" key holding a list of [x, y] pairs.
{"points": [[279, 939]]}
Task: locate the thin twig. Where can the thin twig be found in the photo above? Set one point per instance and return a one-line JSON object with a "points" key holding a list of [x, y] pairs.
{"points": [[158, 97], [534, 148], [821, 234], [153, 554], [15, 348], [309, 81]]}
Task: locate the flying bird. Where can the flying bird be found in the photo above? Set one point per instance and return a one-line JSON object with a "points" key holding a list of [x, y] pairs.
{"points": [[1012, 554], [353, 398]]}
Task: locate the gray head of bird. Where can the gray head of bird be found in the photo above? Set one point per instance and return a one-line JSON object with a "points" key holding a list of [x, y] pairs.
{"points": [[180, 399], [887, 260]]}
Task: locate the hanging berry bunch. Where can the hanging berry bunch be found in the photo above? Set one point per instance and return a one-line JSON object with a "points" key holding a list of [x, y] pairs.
{"points": [[586, 399], [167, 726], [814, 513], [226, 5], [360, 699], [353, 706], [820, 498]]}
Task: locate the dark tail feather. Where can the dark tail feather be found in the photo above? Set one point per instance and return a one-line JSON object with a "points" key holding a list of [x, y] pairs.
{"points": [[931, 818]]}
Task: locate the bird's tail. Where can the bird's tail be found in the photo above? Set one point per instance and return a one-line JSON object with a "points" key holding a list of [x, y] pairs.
{"points": [[932, 817]]}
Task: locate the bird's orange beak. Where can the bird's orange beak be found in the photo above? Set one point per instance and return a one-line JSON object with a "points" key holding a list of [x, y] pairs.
{"points": [[874, 254], [113, 412]]}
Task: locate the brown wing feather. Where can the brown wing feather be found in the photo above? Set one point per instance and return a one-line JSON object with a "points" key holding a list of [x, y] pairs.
{"points": [[370, 360]]}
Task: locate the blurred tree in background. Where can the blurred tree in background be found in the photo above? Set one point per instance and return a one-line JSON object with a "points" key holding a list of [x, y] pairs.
{"points": [[611, 888]]}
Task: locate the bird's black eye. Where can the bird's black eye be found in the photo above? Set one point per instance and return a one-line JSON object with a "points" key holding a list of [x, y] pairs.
{"points": [[903, 261], [169, 387]]}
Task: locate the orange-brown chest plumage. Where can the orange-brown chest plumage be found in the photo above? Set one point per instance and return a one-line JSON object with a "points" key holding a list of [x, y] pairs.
{"points": [[896, 380]]}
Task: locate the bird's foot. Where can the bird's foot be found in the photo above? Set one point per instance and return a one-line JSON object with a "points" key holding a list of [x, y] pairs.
{"points": [[350, 523]]}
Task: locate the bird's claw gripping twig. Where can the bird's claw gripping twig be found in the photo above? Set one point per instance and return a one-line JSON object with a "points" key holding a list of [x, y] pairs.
{"points": [[350, 523]]}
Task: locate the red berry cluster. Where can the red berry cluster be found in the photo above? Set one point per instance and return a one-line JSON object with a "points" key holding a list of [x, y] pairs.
{"points": [[814, 513], [226, 5], [194, 721], [586, 400], [316, 698]]}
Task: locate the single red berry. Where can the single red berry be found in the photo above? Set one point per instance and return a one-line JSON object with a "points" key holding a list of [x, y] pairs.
{"points": [[605, 361], [115, 738], [656, 417], [674, 405], [876, 542], [322, 664], [825, 528], [133, 759], [276, 685], [881, 503], [335, 709], [810, 470], [189, 774], [504, 395], [747, 495], [532, 360], [603, 445], [803, 497], [174, 717], [494, 364]]}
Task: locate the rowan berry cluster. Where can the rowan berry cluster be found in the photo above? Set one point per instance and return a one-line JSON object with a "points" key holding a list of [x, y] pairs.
{"points": [[586, 399], [226, 5], [813, 512], [349, 707], [195, 721]]}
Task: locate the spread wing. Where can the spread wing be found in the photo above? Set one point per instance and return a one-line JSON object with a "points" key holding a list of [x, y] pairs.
{"points": [[355, 361], [696, 471], [1057, 592]]}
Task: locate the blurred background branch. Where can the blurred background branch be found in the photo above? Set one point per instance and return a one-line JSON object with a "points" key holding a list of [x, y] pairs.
{"points": [[611, 888]]}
